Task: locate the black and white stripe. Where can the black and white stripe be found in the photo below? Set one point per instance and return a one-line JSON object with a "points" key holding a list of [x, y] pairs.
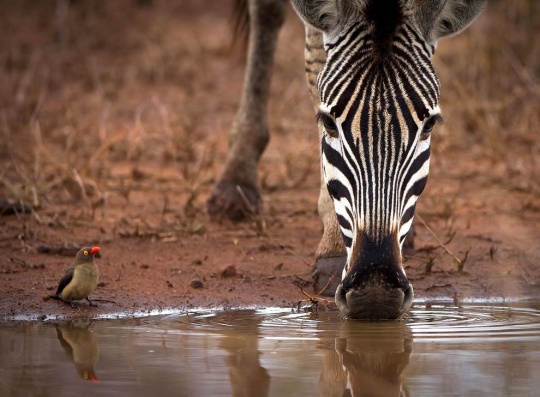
{"points": [[376, 162]]}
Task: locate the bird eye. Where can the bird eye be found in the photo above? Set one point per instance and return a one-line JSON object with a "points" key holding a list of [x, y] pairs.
{"points": [[86, 252], [329, 124], [428, 126]]}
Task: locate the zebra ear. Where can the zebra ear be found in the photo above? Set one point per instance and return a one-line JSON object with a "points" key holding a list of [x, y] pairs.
{"points": [[441, 18], [321, 14]]}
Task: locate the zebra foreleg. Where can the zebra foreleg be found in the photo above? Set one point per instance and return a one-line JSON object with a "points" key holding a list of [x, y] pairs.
{"points": [[330, 255], [408, 244], [236, 194]]}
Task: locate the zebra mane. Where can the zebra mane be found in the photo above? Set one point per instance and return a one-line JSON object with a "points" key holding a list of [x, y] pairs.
{"points": [[433, 18], [385, 17]]}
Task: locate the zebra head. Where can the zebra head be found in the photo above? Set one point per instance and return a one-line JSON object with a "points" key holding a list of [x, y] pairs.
{"points": [[379, 100]]}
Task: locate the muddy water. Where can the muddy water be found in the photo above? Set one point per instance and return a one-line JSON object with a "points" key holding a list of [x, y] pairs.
{"points": [[440, 350]]}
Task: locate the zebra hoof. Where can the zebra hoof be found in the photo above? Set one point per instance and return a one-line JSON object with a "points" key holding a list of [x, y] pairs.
{"points": [[232, 201], [327, 274]]}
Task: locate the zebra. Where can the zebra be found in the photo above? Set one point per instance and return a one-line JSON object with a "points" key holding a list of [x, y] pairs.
{"points": [[376, 96]]}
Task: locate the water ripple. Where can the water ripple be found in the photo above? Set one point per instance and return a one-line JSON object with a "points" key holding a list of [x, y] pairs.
{"points": [[474, 322], [426, 322]]}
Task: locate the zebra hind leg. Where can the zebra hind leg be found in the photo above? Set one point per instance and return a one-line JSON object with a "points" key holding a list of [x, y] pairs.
{"points": [[236, 193]]}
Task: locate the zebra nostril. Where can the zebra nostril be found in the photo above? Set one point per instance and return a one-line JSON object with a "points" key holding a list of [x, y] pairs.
{"points": [[341, 297], [407, 299], [346, 284]]}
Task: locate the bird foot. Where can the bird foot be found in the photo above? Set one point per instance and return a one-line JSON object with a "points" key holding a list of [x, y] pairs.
{"points": [[91, 303]]}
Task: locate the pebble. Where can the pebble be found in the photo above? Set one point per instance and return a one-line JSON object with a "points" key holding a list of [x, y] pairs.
{"points": [[196, 283], [229, 271]]}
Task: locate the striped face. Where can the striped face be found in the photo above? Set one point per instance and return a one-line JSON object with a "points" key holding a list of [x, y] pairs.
{"points": [[379, 101]]}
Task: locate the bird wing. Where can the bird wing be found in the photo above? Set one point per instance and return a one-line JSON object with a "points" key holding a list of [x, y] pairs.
{"points": [[68, 276], [68, 349]]}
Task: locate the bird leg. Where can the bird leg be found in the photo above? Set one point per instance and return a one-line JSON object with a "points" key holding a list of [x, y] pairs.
{"points": [[91, 303]]}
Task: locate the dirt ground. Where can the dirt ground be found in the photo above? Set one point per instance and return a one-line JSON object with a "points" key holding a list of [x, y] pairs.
{"points": [[113, 128]]}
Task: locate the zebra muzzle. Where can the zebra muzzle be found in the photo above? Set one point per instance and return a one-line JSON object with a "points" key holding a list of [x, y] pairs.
{"points": [[374, 301]]}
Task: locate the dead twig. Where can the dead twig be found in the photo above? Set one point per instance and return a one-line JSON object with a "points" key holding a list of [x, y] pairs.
{"points": [[332, 275], [25, 264], [58, 250], [313, 299], [523, 74], [429, 264], [103, 300], [460, 262], [252, 211]]}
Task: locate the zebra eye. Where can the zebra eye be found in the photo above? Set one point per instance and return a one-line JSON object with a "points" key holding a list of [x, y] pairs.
{"points": [[428, 126], [329, 124]]}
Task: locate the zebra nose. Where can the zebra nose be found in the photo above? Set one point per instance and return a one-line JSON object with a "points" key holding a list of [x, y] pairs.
{"points": [[374, 301], [375, 286]]}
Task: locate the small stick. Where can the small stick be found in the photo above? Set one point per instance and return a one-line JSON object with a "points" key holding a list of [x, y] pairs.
{"points": [[313, 299], [103, 300], [327, 283], [251, 208], [261, 225], [441, 244]]}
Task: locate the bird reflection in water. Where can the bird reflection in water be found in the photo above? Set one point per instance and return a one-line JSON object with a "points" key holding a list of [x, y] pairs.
{"points": [[366, 359], [81, 348]]}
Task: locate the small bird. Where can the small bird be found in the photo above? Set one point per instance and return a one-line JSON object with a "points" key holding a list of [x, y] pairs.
{"points": [[81, 348], [80, 279]]}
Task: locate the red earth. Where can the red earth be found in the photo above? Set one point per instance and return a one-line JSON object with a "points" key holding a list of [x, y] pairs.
{"points": [[113, 127]]}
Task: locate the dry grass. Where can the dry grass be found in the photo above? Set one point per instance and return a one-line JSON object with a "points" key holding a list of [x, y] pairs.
{"points": [[87, 113], [491, 93], [103, 103]]}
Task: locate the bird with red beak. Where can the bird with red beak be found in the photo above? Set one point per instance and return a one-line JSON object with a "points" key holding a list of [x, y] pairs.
{"points": [[80, 279]]}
